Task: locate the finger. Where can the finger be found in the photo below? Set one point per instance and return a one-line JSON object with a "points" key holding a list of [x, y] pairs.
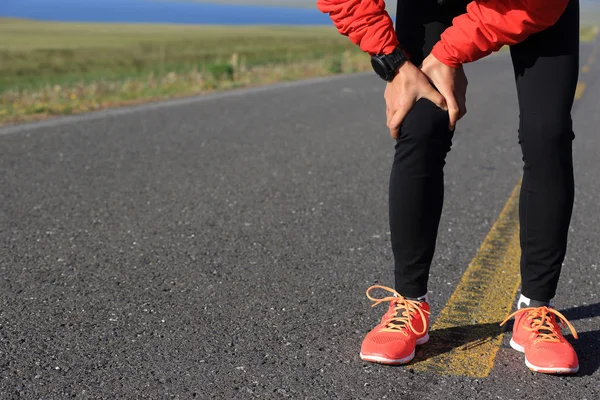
{"points": [[394, 130], [396, 121], [453, 110], [462, 98], [463, 107], [388, 113], [436, 98], [388, 107]]}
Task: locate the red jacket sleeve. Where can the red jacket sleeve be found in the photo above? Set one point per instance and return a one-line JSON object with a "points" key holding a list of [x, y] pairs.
{"points": [[365, 22], [488, 25]]}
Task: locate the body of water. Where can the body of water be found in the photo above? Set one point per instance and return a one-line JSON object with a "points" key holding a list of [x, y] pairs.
{"points": [[151, 11]]}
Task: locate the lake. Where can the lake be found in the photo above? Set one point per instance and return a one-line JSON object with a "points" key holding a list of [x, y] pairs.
{"points": [[151, 11]]}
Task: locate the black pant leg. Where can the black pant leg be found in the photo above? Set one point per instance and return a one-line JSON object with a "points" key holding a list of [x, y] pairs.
{"points": [[416, 194], [416, 191], [546, 69]]}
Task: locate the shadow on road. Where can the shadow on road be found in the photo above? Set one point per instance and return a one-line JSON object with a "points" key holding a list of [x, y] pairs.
{"points": [[588, 344], [469, 336], [458, 337], [583, 312]]}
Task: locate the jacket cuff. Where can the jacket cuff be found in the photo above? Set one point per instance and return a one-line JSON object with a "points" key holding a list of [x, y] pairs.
{"points": [[390, 48], [440, 52]]}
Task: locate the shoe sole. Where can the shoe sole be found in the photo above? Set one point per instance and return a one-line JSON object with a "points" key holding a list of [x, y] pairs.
{"points": [[391, 361], [555, 371]]}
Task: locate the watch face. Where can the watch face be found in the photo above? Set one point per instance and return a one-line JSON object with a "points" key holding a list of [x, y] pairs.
{"points": [[380, 68]]}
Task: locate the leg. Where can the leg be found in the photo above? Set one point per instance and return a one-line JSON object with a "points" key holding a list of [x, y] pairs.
{"points": [[546, 69], [417, 182], [416, 197]]}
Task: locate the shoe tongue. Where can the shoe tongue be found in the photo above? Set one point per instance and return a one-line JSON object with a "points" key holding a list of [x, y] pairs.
{"points": [[546, 328], [398, 311], [398, 306]]}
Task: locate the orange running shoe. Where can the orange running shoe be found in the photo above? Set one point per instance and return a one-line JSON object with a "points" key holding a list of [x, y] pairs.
{"points": [[402, 328], [537, 334]]}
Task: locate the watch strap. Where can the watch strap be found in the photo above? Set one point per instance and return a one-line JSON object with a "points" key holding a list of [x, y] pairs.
{"points": [[397, 57]]}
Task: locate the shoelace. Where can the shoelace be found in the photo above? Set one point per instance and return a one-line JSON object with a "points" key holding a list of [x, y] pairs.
{"points": [[397, 323], [542, 323]]}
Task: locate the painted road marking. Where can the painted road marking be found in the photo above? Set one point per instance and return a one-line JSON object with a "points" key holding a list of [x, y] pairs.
{"points": [[586, 68], [579, 90], [466, 336]]}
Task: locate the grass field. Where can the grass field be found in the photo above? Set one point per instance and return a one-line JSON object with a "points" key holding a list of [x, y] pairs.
{"points": [[49, 68], [47, 52]]}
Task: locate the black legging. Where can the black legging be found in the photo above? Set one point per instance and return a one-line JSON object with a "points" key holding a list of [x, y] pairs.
{"points": [[546, 67]]}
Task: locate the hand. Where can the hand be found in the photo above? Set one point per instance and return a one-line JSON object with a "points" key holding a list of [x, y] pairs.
{"points": [[452, 84], [401, 94]]}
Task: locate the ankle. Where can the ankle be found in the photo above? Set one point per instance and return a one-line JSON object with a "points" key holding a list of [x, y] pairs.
{"points": [[424, 298], [525, 301]]}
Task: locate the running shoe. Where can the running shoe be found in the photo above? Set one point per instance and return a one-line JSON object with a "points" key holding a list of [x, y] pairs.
{"points": [[537, 333], [404, 326]]}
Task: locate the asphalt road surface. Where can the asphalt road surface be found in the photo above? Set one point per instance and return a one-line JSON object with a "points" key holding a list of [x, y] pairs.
{"points": [[220, 247]]}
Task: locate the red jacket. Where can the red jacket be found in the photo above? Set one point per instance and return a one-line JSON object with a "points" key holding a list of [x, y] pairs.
{"points": [[486, 27]]}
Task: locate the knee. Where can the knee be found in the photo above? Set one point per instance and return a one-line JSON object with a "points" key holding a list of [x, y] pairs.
{"points": [[549, 133], [425, 125]]}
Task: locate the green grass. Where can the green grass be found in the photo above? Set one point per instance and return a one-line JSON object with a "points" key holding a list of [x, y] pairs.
{"points": [[37, 53], [51, 68]]}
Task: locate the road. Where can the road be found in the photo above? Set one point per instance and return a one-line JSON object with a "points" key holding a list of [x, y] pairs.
{"points": [[220, 247]]}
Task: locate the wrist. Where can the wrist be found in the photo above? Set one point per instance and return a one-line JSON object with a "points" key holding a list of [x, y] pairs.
{"points": [[387, 66], [403, 69]]}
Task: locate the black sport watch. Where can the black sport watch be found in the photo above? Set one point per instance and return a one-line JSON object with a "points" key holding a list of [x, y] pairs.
{"points": [[386, 65]]}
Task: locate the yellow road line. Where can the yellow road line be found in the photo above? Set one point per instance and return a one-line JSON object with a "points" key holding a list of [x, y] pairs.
{"points": [[466, 336], [579, 90], [586, 68]]}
